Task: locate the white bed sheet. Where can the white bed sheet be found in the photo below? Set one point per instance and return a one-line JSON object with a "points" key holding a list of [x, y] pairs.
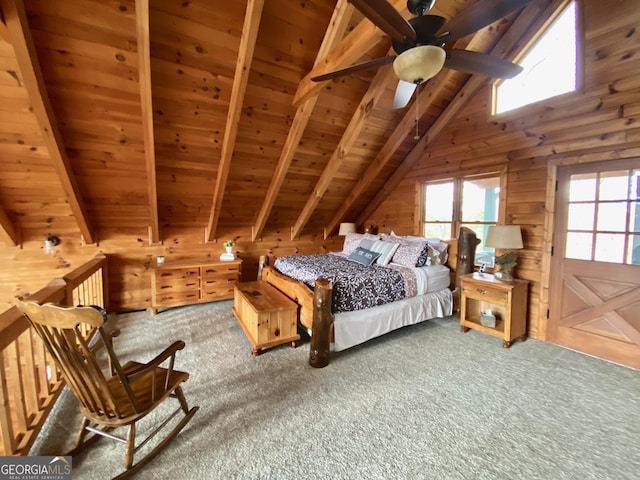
{"points": [[432, 278], [354, 328]]}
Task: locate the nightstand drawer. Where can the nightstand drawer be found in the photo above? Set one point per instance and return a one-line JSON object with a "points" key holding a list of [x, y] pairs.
{"points": [[479, 292]]}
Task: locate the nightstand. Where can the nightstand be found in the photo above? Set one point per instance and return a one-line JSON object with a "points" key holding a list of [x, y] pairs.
{"points": [[507, 301]]}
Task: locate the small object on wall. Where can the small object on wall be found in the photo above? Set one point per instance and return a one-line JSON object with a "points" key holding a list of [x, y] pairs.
{"points": [[160, 260], [50, 242]]}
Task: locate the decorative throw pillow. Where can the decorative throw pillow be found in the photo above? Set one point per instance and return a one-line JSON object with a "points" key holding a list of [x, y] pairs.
{"points": [[443, 250], [352, 241], [386, 250], [423, 258], [363, 256], [408, 253]]}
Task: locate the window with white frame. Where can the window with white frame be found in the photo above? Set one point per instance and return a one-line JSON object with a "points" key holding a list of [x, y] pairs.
{"points": [[550, 67], [472, 202]]}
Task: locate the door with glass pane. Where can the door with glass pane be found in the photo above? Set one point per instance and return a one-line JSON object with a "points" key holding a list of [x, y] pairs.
{"points": [[595, 278]]}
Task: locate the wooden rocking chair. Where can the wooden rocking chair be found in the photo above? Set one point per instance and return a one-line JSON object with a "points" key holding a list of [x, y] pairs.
{"points": [[111, 396]]}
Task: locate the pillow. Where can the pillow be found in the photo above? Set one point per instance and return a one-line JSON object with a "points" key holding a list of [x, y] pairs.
{"points": [[442, 248], [363, 256], [386, 250], [409, 253], [352, 241]]}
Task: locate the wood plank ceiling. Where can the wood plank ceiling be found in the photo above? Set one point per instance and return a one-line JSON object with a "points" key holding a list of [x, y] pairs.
{"points": [[149, 117]]}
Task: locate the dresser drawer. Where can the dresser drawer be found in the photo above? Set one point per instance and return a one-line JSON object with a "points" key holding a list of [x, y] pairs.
{"points": [[219, 286], [178, 285], [176, 298], [479, 292], [177, 276], [216, 271]]}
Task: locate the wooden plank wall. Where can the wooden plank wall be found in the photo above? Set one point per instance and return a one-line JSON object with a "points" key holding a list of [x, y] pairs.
{"points": [[600, 122], [26, 268]]}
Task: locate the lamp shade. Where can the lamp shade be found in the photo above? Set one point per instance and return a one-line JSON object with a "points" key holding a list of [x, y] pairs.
{"points": [[419, 64], [347, 228], [504, 236]]}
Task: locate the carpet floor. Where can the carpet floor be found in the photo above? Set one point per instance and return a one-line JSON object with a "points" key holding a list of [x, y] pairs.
{"points": [[424, 402]]}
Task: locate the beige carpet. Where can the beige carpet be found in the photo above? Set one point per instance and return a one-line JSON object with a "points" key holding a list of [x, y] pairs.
{"points": [[425, 402]]}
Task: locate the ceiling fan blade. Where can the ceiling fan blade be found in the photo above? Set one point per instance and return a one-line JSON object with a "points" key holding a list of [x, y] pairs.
{"points": [[481, 63], [369, 64], [404, 92], [478, 15], [386, 18]]}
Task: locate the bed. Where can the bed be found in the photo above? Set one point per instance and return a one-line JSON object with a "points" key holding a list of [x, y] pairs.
{"points": [[356, 299]]}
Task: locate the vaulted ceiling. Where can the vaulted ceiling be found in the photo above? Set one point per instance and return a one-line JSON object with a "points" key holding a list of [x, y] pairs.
{"points": [[152, 116]]}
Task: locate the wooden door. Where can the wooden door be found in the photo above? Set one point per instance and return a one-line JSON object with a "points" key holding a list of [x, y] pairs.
{"points": [[595, 278]]}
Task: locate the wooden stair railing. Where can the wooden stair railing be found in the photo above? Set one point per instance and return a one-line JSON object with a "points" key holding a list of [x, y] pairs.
{"points": [[29, 379]]}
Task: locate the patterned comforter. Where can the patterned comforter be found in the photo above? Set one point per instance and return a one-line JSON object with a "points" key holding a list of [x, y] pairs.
{"points": [[355, 286]]}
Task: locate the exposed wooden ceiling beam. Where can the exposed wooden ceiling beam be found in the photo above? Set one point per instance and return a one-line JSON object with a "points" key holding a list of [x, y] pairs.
{"points": [[146, 101], [20, 38], [240, 80], [7, 230], [358, 42], [356, 124], [4, 31], [523, 28], [335, 31]]}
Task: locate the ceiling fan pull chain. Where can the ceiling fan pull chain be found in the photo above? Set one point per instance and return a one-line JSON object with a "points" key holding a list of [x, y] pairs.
{"points": [[417, 136]]}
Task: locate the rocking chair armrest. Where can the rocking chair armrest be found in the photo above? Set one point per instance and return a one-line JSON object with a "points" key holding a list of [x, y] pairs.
{"points": [[167, 353]]}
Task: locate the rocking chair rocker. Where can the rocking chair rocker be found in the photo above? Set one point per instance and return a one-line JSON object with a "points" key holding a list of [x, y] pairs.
{"points": [[114, 397]]}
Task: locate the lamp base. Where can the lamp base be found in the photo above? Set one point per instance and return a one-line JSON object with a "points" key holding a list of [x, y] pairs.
{"points": [[507, 263], [503, 276]]}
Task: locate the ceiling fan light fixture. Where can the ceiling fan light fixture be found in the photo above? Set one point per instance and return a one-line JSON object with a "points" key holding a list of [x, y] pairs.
{"points": [[419, 64]]}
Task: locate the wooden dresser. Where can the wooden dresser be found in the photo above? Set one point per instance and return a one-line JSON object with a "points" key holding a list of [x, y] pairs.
{"points": [[185, 282]]}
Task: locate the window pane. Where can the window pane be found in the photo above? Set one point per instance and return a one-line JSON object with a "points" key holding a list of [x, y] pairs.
{"points": [[612, 216], [614, 185], [437, 230], [549, 68], [578, 245], [438, 202], [480, 200], [484, 254], [609, 247], [635, 217], [634, 250], [582, 187], [580, 216]]}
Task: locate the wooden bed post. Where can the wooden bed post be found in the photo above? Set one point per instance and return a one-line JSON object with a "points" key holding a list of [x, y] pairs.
{"points": [[467, 243], [264, 261], [322, 320]]}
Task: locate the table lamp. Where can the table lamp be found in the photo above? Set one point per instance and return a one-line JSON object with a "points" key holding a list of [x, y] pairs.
{"points": [[347, 228], [505, 237]]}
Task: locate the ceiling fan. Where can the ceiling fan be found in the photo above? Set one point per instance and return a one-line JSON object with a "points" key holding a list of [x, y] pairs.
{"points": [[419, 43]]}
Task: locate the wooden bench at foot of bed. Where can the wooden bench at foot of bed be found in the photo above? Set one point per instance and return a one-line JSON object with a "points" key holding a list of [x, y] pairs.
{"points": [[267, 317]]}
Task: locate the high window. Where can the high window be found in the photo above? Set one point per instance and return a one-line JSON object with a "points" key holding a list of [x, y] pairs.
{"points": [[550, 66], [470, 202]]}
